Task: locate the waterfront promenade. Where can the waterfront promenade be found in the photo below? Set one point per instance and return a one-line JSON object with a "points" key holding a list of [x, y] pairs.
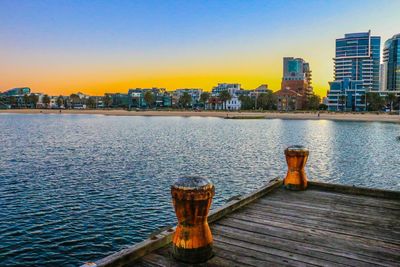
{"points": [[371, 117]]}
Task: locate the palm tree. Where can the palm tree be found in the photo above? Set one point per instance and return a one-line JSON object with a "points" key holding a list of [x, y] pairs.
{"points": [[342, 101], [375, 101], [33, 99], [149, 98], [225, 96], [391, 98], [363, 100], [313, 102], [107, 100], [91, 102], [204, 98], [13, 101], [26, 100], [75, 99], [247, 103], [46, 101], [185, 100], [60, 101]]}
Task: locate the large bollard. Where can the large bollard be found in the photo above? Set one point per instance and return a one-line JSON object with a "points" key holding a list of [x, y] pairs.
{"points": [[296, 158], [192, 198]]}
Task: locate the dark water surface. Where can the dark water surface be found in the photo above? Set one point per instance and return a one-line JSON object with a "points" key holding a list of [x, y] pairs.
{"points": [[75, 188]]}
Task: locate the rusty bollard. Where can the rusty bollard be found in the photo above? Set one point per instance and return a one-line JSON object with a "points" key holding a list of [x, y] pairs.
{"points": [[192, 198], [296, 158]]}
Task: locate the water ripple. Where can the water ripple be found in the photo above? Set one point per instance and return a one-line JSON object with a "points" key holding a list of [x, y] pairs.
{"points": [[77, 188]]}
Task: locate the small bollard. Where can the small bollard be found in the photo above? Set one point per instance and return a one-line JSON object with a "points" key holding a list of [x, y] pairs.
{"points": [[296, 158], [192, 242]]}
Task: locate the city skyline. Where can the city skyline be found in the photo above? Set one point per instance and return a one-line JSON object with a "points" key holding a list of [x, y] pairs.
{"points": [[99, 47]]}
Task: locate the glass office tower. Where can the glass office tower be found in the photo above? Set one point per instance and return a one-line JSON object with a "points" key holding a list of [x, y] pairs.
{"points": [[357, 61], [391, 62]]}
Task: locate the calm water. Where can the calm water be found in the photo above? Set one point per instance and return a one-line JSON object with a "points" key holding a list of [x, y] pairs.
{"points": [[75, 188]]}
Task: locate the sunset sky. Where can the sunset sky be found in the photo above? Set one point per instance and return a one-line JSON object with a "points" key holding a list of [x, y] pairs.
{"points": [[60, 47]]}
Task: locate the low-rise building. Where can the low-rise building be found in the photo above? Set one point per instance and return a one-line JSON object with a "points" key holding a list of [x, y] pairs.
{"points": [[19, 91], [193, 92], [346, 95], [233, 89], [119, 100], [136, 98]]}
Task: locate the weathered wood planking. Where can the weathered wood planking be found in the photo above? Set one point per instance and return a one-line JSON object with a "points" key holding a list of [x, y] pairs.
{"points": [[129, 255], [325, 225]]}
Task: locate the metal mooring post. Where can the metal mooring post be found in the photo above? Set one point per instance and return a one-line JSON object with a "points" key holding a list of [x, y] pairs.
{"points": [[192, 198], [296, 158]]}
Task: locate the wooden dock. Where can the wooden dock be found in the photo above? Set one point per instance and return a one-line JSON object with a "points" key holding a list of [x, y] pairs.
{"points": [[325, 225]]}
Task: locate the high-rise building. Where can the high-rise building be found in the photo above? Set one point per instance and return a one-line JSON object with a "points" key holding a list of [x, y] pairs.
{"points": [[383, 77], [391, 62], [357, 61], [296, 84]]}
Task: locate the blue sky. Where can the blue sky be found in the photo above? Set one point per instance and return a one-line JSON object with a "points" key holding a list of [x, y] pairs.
{"points": [[99, 46]]}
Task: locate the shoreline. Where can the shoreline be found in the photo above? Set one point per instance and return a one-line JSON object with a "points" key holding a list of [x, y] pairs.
{"points": [[369, 117]]}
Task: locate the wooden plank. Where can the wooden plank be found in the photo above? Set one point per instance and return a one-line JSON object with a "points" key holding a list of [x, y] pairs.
{"points": [[330, 207], [354, 216], [355, 199], [356, 213], [295, 247], [285, 226], [243, 200], [215, 261], [240, 257], [251, 244], [372, 192], [372, 232], [321, 239], [145, 247], [341, 198], [252, 252], [160, 261], [311, 199], [324, 216]]}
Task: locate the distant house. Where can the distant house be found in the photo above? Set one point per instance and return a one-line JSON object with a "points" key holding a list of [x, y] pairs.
{"points": [[232, 104], [136, 98], [193, 92], [119, 100], [289, 99]]}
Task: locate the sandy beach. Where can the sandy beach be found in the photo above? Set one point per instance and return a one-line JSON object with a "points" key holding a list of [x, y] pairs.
{"points": [[222, 114]]}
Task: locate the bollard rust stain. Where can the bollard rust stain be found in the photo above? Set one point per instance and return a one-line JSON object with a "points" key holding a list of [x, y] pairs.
{"points": [[296, 158], [192, 197]]}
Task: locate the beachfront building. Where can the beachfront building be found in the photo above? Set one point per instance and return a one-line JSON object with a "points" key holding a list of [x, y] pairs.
{"points": [[119, 100], [383, 77], [136, 98], [15, 97], [296, 84], [233, 104], [357, 61], [193, 92], [20, 91], [352, 99], [290, 99], [262, 89], [391, 64]]}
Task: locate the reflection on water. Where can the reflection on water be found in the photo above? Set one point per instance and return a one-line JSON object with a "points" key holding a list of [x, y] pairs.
{"points": [[78, 187]]}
